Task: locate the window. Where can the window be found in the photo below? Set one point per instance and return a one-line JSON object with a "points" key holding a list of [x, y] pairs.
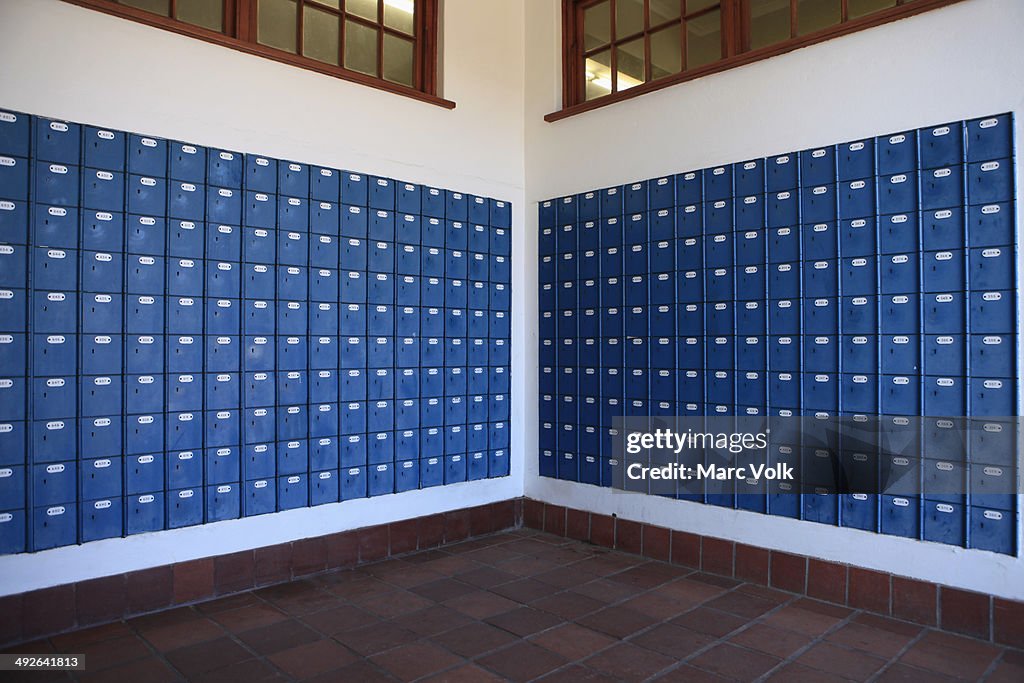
{"points": [[388, 44], [616, 49]]}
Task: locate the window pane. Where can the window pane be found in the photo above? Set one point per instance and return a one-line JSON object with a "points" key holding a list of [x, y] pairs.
{"points": [[398, 60], [860, 8], [697, 5], [769, 22], [157, 6], [631, 64], [206, 13], [664, 10], [597, 25], [666, 52], [398, 14], [277, 22], [629, 18], [360, 48], [599, 74], [362, 8], [815, 15], [320, 34], [704, 39]]}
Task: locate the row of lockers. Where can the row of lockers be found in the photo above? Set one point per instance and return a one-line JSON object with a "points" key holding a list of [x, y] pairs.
{"points": [[224, 280], [933, 313], [111, 516], [57, 354], [725, 392], [115, 153], [972, 142], [221, 274], [978, 355], [953, 523], [980, 269], [898, 443], [60, 438], [978, 226], [425, 428]]}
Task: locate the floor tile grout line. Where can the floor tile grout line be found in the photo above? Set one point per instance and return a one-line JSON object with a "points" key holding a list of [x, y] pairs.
{"points": [[895, 659], [799, 652]]}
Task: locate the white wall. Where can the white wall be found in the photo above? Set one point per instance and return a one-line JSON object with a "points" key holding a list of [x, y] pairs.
{"points": [[68, 62], [963, 61]]}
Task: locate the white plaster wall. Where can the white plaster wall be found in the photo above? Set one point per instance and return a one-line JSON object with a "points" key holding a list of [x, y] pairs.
{"points": [[960, 62], [68, 62]]}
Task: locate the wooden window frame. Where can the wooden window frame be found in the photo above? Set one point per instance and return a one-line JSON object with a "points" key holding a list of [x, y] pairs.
{"points": [[240, 26], [735, 48]]}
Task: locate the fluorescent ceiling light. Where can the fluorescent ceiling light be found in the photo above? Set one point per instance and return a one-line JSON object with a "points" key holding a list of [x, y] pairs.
{"points": [[601, 76]]}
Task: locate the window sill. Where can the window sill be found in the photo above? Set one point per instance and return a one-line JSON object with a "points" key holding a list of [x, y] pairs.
{"points": [[741, 59], [224, 40]]}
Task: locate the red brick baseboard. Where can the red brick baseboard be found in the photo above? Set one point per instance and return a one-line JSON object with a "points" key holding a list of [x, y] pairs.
{"points": [[921, 602], [50, 611]]}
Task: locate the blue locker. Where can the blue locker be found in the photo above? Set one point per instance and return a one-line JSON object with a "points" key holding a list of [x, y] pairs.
{"points": [[101, 313], [856, 199], [293, 179], [324, 488], [899, 313], [292, 283], [323, 318], [990, 138], [751, 353], [148, 196], [718, 216], [820, 204], [53, 226], [988, 225], [223, 391], [993, 355], [381, 226], [354, 222], [432, 261], [898, 274], [223, 428], [821, 315], [101, 518], [187, 201], [352, 450], [53, 526], [821, 354], [55, 184], [859, 393], [324, 184], [147, 156], [54, 269], [323, 352], [898, 193], [185, 277], [990, 312], [818, 166], [781, 173], [100, 478], [991, 269], [990, 182], [821, 278], [292, 318], [13, 397], [901, 354], [259, 245], [52, 355], [184, 507], [146, 235], [324, 385], [943, 271], [292, 492], [944, 396], [860, 354], [260, 497], [292, 353], [101, 230], [784, 390], [718, 251], [54, 483], [102, 190], [99, 392], [324, 453], [944, 229], [325, 220], [944, 355], [225, 169], [225, 243], [784, 281], [898, 233], [900, 395], [184, 314], [187, 162], [145, 275], [144, 474], [323, 420], [223, 501], [897, 153], [942, 187], [185, 392], [353, 483], [408, 259], [993, 530], [292, 247], [100, 437], [222, 464], [185, 430], [720, 319], [14, 443], [260, 210], [15, 133], [381, 257], [260, 174], [323, 284], [14, 179], [821, 392], [259, 388], [942, 145], [222, 353]]}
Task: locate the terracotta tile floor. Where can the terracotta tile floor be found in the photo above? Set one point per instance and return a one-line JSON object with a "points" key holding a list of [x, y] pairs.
{"points": [[523, 606]]}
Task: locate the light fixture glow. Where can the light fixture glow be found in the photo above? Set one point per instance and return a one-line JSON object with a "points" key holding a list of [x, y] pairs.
{"points": [[600, 76], [408, 6]]}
